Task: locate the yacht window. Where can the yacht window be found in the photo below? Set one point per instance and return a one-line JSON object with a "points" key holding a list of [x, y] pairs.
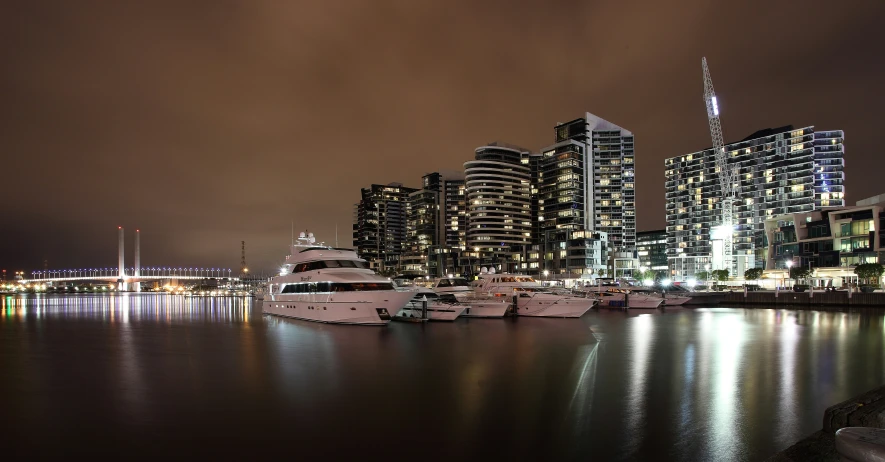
{"points": [[444, 283], [324, 287], [317, 265], [360, 286], [448, 298], [460, 283]]}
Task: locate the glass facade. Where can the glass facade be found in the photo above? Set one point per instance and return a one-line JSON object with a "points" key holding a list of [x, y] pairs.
{"points": [[780, 171]]}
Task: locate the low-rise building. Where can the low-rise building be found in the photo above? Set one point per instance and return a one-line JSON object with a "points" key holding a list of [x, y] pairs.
{"points": [[830, 242]]}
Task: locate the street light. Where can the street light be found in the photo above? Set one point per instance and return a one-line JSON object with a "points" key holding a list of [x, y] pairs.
{"points": [[789, 265], [546, 273]]}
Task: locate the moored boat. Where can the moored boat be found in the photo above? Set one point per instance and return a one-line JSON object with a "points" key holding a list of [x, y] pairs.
{"points": [[479, 307], [331, 285], [531, 298], [438, 309]]}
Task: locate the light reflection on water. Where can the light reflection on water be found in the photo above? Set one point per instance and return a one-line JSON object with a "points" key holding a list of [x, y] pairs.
{"points": [[210, 376]]}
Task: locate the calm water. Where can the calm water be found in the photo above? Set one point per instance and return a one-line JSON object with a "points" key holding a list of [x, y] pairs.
{"points": [[146, 376]]}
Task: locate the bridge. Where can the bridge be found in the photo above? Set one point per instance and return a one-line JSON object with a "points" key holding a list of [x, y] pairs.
{"points": [[128, 274], [129, 278]]}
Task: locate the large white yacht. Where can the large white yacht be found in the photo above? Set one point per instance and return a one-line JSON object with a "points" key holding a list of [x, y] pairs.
{"points": [[331, 285], [479, 307], [532, 298]]}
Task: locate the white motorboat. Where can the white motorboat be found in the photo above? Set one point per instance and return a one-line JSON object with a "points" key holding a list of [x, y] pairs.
{"points": [[532, 298], [620, 298], [670, 299], [331, 285], [479, 307], [438, 309]]}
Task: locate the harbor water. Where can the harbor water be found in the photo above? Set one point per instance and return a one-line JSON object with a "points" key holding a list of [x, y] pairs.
{"points": [[145, 376]]}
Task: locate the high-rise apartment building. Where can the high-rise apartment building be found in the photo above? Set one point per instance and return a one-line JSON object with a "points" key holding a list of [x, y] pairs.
{"points": [[780, 171], [587, 181], [437, 224], [651, 249], [499, 215], [380, 223]]}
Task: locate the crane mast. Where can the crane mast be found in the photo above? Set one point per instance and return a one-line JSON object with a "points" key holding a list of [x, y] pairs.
{"points": [[727, 173]]}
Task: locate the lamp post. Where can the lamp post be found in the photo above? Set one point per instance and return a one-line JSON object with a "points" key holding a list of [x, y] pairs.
{"points": [[789, 265], [546, 274]]}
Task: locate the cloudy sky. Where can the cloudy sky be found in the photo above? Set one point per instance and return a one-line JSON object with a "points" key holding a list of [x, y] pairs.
{"points": [[206, 123]]}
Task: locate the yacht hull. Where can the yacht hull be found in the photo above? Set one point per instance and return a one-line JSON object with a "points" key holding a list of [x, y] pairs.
{"points": [[490, 309], [676, 301], [483, 308], [344, 308], [435, 311], [556, 307]]}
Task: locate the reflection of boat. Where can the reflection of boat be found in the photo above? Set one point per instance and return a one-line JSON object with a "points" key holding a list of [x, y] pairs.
{"points": [[459, 288], [625, 299], [532, 298], [438, 308], [324, 284]]}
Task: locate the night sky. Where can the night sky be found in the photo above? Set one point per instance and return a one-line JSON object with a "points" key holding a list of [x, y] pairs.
{"points": [[207, 123]]}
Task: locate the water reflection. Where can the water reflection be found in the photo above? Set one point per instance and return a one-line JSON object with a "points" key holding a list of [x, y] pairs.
{"points": [[213, 377], [121, 308]]}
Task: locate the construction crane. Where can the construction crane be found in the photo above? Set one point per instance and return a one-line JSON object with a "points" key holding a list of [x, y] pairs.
{"points": [[727, 174]]}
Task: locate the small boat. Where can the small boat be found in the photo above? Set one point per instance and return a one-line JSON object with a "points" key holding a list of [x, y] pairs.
{"points": [[621, 298], [670, 299], [460, 290], [532, 298], [437, 309]]}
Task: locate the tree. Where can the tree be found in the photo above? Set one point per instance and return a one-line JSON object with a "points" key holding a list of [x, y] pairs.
{"points": [[870, 272], [720, 275], [753, 274], [798, 272], [702, 275]]}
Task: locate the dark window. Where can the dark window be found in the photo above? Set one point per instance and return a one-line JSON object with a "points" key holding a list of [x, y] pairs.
{"points": [[360, 286], [317, 265]]}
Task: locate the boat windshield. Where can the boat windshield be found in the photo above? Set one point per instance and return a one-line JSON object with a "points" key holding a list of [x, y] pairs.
{"points": [[429, 295], [323, 264]]}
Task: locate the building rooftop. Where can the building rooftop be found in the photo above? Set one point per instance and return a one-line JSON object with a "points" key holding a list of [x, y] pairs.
{"points": [[766, 132], [871, 200]]}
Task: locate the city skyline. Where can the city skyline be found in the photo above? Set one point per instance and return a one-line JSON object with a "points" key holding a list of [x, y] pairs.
{"points": [[211, 126]]}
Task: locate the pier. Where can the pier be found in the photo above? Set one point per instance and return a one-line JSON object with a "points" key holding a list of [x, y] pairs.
{"points": [[837, 298]]}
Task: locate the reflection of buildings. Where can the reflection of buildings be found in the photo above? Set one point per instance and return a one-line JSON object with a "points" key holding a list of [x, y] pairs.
{"points": [[782, 170], [828, 241]]}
